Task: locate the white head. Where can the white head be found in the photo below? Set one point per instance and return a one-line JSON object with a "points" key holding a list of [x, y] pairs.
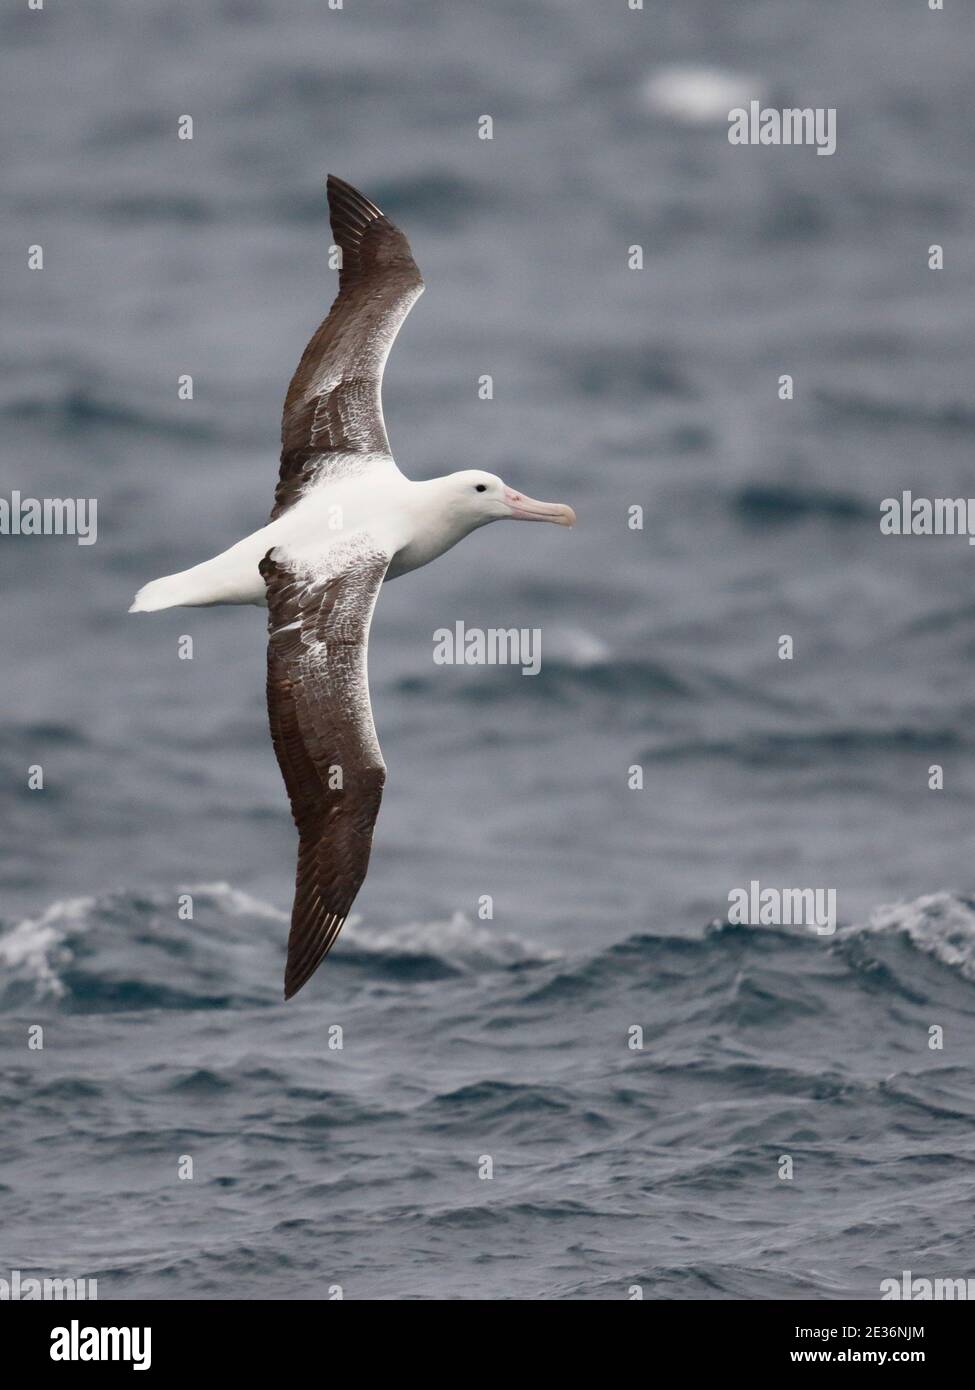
{"points": [[474, 498]]}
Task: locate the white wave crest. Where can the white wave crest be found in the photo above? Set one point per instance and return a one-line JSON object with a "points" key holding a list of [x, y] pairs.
{"points": [[459, 942], [35, 946], [234, 902], [941, 925], [698, 95]]}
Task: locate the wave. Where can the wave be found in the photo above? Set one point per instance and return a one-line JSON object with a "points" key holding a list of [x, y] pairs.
{"points": [[72, 406], [130, 951], [706, 969], [33, 948], [697, 95], [233, 902], [564, 677], [941, 925], [427, 949], [127, 951], [896, 412], [797, 750], [769, 503], [435, 196]]}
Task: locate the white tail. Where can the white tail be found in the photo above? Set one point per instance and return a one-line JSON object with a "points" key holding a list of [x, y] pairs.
{"points": [[233, 577], [168, 592]]}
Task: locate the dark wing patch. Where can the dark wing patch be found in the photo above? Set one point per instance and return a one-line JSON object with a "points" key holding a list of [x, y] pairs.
{"points": [[332, 425], [324, 737]]}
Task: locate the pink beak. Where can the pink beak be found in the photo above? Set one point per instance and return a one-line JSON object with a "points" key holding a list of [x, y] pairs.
{"points": [[527, 509]]}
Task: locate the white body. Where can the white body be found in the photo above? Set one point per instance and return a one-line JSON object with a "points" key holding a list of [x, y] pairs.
{"points": [[411, 522], [408, 520]]}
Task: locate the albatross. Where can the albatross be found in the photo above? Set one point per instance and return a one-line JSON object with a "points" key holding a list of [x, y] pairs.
{"points": [[345, 520]]}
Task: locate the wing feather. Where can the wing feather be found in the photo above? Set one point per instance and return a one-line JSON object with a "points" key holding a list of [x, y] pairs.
{"points": [[333, 426], [324, 736]]}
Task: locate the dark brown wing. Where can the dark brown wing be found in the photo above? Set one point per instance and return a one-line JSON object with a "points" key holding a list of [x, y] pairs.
{"points": [[332, 425], [324, 736]]}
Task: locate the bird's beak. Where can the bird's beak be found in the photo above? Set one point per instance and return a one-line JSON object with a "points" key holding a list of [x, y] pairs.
{"points": [[527, 509]]}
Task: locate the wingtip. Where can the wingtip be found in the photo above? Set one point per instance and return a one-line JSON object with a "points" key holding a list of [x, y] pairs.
{"points": [[333, 184], [345, 199], [295, 981]]}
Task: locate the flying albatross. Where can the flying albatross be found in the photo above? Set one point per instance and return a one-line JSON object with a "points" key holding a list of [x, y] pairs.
{"points": [[345, 519]]}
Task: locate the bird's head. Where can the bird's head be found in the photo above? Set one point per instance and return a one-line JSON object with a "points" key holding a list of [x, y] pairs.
{"points": [[477, 498]]}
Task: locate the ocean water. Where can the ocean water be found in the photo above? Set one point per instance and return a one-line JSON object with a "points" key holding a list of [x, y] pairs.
{"points": [[316, 1166]]}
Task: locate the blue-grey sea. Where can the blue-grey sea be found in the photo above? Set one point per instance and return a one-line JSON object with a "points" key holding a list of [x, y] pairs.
{"points": [[507, 1037]]}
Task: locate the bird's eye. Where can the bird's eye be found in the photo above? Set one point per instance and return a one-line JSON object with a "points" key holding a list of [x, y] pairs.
{"points": [[480, 487]]}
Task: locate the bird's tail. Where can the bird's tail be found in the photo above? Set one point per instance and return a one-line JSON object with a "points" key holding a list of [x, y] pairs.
{"points": [[169, 592]]}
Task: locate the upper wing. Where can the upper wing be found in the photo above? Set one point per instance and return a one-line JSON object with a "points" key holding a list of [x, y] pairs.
{"points": [[333, 412], [324, 736]]}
